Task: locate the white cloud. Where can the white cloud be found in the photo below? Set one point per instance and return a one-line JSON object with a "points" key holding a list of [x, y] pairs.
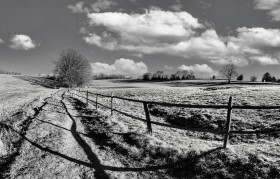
{"points": [[265, 60], [266, 4], [202, 71], [179, 34], [121, 66], [22, 42], [93, 39], [1, 41], [155, 24], [97, 6], [272, 6], [258, 37], [102, 5]]}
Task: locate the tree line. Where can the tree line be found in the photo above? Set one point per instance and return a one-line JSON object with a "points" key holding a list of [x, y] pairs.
{"points": [[101, 76], [9, 72], [160, 76], [73, 70], [266, 78], [230, 71]]}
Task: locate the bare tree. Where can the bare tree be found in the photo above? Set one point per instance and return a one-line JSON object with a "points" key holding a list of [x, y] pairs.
{"points": [[229, 72], [72, 68], [253, 78]]}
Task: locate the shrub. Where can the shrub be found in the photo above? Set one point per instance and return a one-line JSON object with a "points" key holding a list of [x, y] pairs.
{"points": [[253, 79], [72, 68], [240, 78]]}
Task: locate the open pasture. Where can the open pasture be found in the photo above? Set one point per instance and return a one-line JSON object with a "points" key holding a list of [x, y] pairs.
{"points": [[15, 93], [263, 146]]}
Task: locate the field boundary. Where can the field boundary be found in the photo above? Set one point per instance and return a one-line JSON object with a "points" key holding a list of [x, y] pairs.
{"points": [[149, 123]]}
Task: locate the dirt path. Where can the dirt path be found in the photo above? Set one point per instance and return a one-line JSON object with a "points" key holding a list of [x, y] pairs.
{"points": [[67, 139], [57, 145]]}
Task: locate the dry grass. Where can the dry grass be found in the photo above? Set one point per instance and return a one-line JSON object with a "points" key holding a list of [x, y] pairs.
{"points": [[15, 93], [120, 147], [18, 101], [260, 151]]}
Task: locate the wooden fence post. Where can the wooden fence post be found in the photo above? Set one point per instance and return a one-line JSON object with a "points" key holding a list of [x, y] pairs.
{"points": [[228, 123], [87, 97], [149, 125], [96, 101], [112, 104]]}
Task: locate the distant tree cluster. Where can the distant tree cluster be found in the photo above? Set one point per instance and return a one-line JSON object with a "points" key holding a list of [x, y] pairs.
{"points": [[160, 76], [268, 78], [112, 76], [9, 72], [253, 78]]}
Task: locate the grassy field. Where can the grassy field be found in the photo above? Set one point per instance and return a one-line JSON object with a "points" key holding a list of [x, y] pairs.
{"points": [[263, 148], [69, 139], [15, 93], [18, 99]]}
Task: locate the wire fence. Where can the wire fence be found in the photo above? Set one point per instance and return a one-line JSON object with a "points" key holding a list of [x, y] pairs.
{"points": [[229, 107]]}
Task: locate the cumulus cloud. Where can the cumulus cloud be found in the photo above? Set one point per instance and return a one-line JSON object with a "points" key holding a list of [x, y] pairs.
{"points": [[202, 71], [258, 37], [154, 24], [121, 66], [179, 34], [22, 42], [102, 5], [272, 6], [93, 39], [1, 41], [97, 6], [265, 60]]}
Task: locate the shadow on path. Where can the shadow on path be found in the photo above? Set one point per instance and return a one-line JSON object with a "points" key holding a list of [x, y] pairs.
{"points": [[99, 170], [7, 162], [96, 162]]}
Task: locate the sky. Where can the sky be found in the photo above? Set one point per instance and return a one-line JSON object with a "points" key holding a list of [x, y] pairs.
{"points": [[132, 37]]}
